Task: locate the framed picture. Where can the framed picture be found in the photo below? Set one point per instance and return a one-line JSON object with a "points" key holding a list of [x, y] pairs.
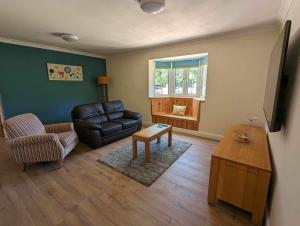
{"points": [[62, 72]]}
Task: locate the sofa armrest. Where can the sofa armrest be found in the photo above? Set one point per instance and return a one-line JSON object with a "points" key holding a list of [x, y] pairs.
{"points": [[132, 115], [59, 128], [88, 125], [88, 133]]}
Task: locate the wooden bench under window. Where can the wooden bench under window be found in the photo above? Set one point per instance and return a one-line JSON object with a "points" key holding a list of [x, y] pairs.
{"points": [[162, 107]]}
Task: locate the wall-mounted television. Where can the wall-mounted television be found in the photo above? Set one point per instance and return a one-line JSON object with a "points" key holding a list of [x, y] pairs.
{"points": [[274, 102]]}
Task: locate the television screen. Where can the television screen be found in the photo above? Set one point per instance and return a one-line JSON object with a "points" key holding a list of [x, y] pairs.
{"points": [[274, 98]]}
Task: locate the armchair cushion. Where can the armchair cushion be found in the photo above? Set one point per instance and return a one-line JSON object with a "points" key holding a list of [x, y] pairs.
{"points": [[67, 138], [59, 128], [126, 122], [132, 115], [109, 128]]}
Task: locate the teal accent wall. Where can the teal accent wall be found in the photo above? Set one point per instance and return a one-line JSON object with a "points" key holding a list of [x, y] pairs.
{"points": [[24, 84]]}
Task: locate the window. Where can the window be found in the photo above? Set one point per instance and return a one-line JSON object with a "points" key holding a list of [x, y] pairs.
{"points": [[181, 77], [193, 80], [179, 80], [161, 82]]}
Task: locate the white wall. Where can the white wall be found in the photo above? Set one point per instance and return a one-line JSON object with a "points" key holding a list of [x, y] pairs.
{"points": [[285, 145], [237, 70]]}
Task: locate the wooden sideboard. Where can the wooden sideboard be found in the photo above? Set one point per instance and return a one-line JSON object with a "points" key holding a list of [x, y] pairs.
{"points": [[240, 172]]}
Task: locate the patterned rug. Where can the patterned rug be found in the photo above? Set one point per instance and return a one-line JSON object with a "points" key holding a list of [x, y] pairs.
{"points": [[162, 157]]}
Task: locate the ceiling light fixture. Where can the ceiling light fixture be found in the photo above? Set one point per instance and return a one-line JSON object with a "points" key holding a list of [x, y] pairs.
{"points": [[152, 6], [69, 37]]}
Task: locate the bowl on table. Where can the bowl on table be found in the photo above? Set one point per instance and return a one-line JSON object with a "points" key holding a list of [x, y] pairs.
{"points": [[241, 135]]}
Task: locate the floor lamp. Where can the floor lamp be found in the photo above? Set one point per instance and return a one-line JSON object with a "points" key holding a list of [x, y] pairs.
{"points": [[103, 81]]}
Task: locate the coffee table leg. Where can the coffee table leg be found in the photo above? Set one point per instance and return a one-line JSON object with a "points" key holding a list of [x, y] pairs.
{"points": [[147, 151], [170, 138], [158, 140], [134, 148]]}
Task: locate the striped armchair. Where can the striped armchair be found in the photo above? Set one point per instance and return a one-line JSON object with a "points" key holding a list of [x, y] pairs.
{"points": [[31, 141]]}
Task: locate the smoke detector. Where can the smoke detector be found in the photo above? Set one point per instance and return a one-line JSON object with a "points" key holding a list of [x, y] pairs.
{"points": [[69, 37], [152, 6]]}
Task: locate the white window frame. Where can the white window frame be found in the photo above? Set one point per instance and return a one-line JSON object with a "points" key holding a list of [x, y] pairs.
{"points": [[201, 78], [171, 81], [153, 86]]}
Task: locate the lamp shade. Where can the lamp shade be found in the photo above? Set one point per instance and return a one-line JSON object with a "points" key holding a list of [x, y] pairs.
{"points": [[102, 80]]}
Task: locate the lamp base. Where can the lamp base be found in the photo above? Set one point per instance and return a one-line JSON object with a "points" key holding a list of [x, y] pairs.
{"points": [[105, 93]]}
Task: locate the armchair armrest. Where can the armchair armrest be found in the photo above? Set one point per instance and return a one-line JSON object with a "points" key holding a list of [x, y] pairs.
{"points": [[37, 148], [59, 128], [35, 139], [132, 115], [88, 125]]}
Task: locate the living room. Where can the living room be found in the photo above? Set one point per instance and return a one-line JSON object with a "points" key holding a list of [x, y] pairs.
{"points": [[150, 112]]}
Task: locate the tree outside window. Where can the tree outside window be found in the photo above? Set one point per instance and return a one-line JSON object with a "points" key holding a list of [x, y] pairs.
{"points": [[161, 82], [179, 80], [193, 74]]}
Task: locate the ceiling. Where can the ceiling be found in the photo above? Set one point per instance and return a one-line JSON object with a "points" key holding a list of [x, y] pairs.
{"points": [[112, 26]]}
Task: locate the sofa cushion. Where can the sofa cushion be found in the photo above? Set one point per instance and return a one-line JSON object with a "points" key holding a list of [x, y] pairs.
{"points": [[67, 138], [109, 128], [126, 123], [96, 119], [132, 115], [113, 106], [23, 125], [88, 111], [88, 125], [115, 115]]}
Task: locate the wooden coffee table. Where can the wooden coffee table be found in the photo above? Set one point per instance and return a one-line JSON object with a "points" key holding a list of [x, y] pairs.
{"points": [[149, 134]]}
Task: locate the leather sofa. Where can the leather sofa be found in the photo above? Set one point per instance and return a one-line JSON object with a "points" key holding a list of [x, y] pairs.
{"points": [[100, 124]]}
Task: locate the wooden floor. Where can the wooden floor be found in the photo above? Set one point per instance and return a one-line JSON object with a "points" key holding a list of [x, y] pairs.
{"points": [[86, 192]]}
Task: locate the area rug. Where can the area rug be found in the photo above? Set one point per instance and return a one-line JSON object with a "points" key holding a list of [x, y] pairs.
{"points": [[162, 157]]}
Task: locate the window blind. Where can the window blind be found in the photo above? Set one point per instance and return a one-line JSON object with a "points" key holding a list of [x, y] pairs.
{"points": [[181, 63]]}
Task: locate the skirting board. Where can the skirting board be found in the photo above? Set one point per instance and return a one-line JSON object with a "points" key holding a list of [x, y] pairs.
{"points": [[207, 135], [267, 221]]}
